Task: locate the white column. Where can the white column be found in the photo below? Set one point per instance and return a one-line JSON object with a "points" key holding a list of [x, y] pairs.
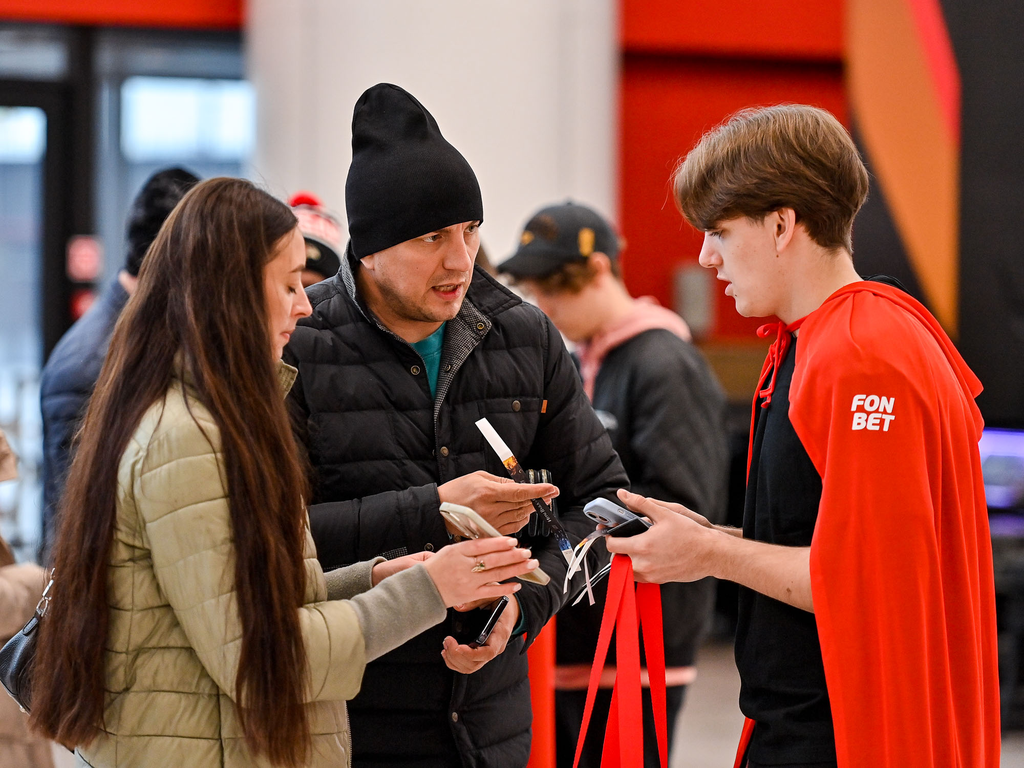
{"points": [[527, 90]]}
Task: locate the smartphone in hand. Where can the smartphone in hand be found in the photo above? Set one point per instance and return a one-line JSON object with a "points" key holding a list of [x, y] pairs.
{"points": [[469, 524], [618, 520], [477, 625]]}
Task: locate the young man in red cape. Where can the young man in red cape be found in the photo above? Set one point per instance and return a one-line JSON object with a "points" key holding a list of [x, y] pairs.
{"points": [[867, 631]]}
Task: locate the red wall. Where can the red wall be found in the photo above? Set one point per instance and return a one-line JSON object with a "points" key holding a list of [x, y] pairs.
{"points": [[688, 64], [195, 14], [803, 29]]}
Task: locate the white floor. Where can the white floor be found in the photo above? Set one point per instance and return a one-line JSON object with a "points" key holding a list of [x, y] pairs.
{"points": [[709, 725]]}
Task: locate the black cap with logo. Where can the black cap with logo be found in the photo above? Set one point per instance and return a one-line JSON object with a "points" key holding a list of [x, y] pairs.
{"points": [[559, 235]]}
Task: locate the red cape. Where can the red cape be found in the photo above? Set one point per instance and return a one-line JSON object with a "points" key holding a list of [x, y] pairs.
{"points": [[901, 559]]}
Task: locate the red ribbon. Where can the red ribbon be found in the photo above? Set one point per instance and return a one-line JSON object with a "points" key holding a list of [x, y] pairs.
{"points": [[741, 750], [627, 610]]}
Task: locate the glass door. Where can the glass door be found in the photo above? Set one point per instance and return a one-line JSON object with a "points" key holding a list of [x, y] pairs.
{"points": [[23, 143], [39, 194], [86, 115]]}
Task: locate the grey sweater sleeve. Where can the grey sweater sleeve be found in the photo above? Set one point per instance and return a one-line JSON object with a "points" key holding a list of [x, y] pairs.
{"points": [[351, 580], [396, 610]]}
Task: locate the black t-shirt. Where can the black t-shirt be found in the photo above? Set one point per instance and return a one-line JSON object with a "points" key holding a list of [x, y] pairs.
{"points": [[777, 650]]}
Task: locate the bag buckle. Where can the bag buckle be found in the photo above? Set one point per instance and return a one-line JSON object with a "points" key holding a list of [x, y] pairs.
{"points": [[44, 602]]}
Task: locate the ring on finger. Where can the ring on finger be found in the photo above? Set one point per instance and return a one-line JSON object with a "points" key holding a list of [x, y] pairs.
{"points": [[480, 566]]}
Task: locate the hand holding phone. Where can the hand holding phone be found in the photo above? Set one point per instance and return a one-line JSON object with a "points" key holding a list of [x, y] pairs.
{"points": [[466, 651], [612, 520], [469, 524], [478, 624]]}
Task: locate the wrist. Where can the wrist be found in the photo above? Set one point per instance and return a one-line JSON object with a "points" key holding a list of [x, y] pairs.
{"points": [[442, 493], [515, 609], [715, 552], [518, 622], [441, 499]]}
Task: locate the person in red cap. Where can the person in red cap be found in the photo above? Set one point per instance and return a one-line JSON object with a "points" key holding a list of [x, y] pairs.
{"points": [[322, 234], [867, 632]]}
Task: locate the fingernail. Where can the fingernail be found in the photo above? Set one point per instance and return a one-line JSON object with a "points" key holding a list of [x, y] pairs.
{"points": [[516, 587], [510, 541], [533, 563]]}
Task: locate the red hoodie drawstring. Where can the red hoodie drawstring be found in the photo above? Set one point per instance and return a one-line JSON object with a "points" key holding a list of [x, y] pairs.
{"points": [[776, 352]]}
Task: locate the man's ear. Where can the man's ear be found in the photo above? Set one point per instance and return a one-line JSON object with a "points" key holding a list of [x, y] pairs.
{"points": [[368, 262], [783, 227]]}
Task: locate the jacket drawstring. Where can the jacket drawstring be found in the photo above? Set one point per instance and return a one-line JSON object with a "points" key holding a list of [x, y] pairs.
{"points": [[776, 352]]}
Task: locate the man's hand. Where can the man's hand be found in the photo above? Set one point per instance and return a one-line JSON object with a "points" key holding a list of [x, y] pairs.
{"points": [[466, 660], [500, 501], [629, 499], [678, 547], [390, 567]]}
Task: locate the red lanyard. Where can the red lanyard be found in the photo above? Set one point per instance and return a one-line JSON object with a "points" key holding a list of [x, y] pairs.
{"points": [[627, 611]]}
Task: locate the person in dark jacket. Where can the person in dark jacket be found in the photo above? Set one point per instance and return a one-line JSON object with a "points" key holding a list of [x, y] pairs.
{"points": [[407, 347], [665, 412], [74, 365]]}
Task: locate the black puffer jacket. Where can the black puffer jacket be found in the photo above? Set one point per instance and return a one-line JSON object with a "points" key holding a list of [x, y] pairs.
{"points": [[380, 445], [67, 383], [665, 412]]}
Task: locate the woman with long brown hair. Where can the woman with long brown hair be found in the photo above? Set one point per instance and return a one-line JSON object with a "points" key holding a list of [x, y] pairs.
{"points": [[191, 624]]}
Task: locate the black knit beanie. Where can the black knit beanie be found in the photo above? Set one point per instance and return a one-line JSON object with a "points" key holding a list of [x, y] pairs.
{"points": [[150, 209], [405, 179]]}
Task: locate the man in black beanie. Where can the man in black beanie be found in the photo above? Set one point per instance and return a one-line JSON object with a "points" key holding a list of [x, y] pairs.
{"points": [[407, 347], [74, 365]]}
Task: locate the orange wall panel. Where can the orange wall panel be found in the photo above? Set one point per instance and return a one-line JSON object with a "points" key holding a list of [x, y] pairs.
{"points": [[194, 14], [667, 104], [789, 29], [905, 89]]}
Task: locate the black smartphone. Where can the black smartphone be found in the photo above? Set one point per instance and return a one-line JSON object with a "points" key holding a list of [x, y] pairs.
{"points": [[630, 527], [476, 625]]}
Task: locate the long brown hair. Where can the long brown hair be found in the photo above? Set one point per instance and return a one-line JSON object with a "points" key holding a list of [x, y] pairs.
{"points": [[199, 299]]}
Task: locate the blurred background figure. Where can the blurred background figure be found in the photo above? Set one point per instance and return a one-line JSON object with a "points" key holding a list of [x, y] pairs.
{"points": [[665, 412], [322, 234], [71, 372], [20, 588], [483, 260]]}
